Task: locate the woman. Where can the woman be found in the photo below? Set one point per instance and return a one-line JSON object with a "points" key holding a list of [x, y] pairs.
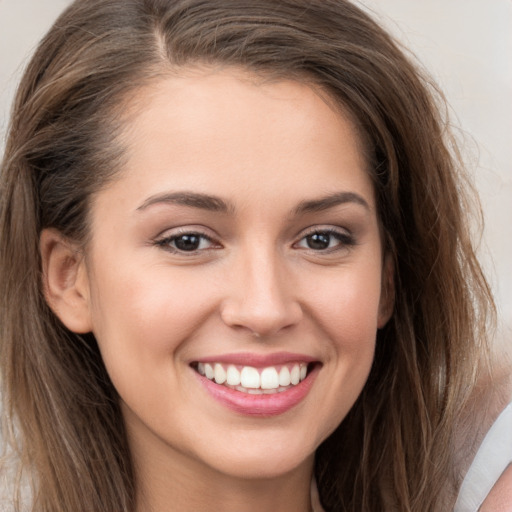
{"points": [[235, 261]]}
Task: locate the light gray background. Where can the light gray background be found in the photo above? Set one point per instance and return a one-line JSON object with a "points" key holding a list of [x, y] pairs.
{"points": [[465, 44]]}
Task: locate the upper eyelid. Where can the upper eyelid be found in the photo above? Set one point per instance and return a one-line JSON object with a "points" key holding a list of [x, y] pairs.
{"points": [[345, 237], [186, 230], [166, 237], [178, 235], [323, 229], [176, 232], [212, 236], [167, 244]]}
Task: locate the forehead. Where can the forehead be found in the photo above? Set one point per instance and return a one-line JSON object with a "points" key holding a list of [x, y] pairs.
{"points": [[215, 129]]}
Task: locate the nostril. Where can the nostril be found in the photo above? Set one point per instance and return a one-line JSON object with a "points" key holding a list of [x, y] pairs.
{"points": [[262, 315]]}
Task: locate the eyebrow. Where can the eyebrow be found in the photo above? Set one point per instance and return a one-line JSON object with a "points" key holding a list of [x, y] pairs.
{"points": [[330, 201], [192, 199], [216, 204]]}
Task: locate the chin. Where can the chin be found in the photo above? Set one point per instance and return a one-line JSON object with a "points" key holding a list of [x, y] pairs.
{"points": [[262, 459], [263, 467]]}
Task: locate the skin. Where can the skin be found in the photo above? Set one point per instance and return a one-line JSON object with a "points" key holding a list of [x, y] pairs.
{"points": [[265, 150], [500, 497]]}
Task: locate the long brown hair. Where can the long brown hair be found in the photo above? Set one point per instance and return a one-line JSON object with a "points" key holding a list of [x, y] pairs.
{"points": [[394, 449]]}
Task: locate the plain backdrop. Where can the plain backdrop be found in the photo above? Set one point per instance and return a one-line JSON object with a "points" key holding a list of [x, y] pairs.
{"points": [[466, 45]]}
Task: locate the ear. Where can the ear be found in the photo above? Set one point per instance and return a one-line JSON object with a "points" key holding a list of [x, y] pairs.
{"points": [[65, 281], [387, 294]]}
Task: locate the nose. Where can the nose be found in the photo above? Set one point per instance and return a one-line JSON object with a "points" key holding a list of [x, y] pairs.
{"points": [[260, 296]]}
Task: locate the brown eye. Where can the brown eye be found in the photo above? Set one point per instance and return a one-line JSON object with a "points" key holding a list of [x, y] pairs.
{"points": [[326, 240], [186, 242], [189, 242], [318, 241]]}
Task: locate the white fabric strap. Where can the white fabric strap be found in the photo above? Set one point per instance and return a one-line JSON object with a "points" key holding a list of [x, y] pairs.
{"points": [[315, 498], [491, 460]]}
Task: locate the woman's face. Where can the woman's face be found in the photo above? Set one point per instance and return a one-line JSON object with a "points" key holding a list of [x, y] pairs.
{"points": [[233, 279]]}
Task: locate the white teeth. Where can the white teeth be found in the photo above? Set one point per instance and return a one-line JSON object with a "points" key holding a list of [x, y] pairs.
{"points": [[295, 375], [284, 376], [220, 374], [250, 378], [208, 371], [269, 378], [254, 381], [233, 376]]}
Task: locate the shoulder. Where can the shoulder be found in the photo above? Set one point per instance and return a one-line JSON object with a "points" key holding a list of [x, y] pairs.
{"points": [[500, 497], [488, 482]]}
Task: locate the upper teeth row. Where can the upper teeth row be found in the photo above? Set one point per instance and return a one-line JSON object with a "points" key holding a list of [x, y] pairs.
{"points": [[250, 377]]}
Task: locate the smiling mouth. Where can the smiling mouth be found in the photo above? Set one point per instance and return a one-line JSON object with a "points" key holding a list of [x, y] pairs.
{"points": [[252, 380]]}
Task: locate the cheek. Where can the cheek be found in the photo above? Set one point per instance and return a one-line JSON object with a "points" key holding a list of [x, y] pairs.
{"points": [[148, 307], [346, 305], [346, 308], [142, 321]]}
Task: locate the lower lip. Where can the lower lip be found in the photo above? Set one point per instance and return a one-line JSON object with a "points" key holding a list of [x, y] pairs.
{"points": [[259, 405]]}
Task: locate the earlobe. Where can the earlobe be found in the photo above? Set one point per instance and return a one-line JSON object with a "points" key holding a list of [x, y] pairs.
{"points": [[387, 297], [65, 282]]}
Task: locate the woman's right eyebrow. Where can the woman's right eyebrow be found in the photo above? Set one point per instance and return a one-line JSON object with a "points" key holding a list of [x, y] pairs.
{"points": [[191, 199]]}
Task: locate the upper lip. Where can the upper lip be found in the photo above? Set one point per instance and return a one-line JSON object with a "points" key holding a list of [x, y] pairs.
{"points": [[257, 360]]}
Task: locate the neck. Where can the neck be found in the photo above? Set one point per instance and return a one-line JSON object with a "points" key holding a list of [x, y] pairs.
{"points": [[167, 479], [284, 494]]}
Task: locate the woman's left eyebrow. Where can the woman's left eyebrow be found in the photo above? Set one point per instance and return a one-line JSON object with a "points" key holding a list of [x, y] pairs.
{"points": [[330, 201]]}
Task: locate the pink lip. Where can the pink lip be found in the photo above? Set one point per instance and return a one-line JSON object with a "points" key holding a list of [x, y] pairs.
{"points": [[260, 405], [258, 360]]}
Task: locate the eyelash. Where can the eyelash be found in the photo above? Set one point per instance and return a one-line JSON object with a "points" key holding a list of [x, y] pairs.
{"points": [[165, 243], [345, 240]]}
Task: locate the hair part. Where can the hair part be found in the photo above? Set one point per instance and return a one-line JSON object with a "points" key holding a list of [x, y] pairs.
{"points": [[65, 143]]}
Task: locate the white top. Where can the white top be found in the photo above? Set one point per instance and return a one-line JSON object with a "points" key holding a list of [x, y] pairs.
{"points": [[315, 498], [491, 460]]}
